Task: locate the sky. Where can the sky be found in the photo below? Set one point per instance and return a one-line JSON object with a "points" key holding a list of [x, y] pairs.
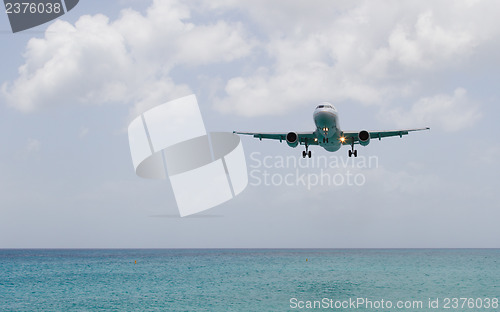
{"points": [[69, 88]]}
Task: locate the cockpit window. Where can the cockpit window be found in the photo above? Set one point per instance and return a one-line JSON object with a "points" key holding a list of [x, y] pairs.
{"points": [[325, 106]]}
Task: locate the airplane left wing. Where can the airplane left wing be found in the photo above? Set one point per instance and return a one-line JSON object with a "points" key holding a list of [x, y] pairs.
{"points": [[303, 137], [351, 136]]}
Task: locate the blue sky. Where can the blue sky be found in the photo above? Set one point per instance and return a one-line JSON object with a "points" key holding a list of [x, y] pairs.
{"points": [[69, 88]]}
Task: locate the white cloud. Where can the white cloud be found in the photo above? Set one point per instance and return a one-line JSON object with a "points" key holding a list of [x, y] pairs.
{"points": [[428, 44], [366, 51], [99, 61], [448, 112], [87, 62], [373, 53]]}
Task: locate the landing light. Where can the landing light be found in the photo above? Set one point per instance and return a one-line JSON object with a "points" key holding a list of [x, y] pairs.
{"points": [[315, 139], [342, 139]]}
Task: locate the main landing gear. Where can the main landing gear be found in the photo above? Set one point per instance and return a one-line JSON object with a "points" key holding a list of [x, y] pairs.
{"points": [[306, 152], [352, 151]]}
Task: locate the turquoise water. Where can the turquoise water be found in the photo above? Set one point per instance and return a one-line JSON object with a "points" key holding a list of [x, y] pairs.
{"points": [[243, 280]]}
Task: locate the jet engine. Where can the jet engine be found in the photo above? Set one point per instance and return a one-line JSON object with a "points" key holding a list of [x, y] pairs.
{"points": [[292, 139], [364, 137]]}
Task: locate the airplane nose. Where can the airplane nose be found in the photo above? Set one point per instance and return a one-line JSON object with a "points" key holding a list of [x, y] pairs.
{"points": [[325, 122], [321, 119]]}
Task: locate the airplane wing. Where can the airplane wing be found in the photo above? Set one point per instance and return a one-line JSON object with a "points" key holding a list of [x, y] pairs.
{"points": [[353, 135], [281, 136]]}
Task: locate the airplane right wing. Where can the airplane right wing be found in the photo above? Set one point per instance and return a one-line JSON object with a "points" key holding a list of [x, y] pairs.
{"points": [[353, 137]]}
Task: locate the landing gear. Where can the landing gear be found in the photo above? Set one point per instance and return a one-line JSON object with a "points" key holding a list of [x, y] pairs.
{"points": [[325, 140], [352, 151], [306, 152]]}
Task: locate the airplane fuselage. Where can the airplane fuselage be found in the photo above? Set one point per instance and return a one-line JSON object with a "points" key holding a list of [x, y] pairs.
{"points": [[327, 127]]}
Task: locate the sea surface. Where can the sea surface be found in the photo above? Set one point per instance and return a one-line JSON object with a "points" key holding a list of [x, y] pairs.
{"points": [[250, 280]]}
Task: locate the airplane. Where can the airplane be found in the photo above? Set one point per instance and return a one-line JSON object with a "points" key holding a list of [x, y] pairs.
{"points": [[328, 133]]}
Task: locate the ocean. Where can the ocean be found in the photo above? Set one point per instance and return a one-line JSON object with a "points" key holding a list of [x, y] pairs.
{"points": [[250, 280]]}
